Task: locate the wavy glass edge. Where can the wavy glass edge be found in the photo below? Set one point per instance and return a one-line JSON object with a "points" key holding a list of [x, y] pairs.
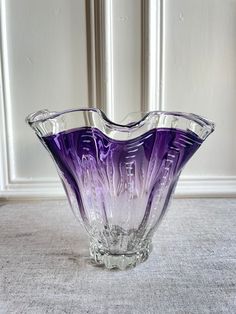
{"points": [[46, 123]]}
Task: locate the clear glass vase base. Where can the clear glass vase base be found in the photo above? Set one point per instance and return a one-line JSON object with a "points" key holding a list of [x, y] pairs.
{"points": [[119, 261]]}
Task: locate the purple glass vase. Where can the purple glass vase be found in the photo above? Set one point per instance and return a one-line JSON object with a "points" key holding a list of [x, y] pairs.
{"points": [[119, 178]]}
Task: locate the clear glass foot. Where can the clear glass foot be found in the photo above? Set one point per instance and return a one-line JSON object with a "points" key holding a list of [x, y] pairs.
{"points": [[119, 261]]}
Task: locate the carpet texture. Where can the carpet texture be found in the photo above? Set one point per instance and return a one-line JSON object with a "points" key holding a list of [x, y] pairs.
{"points": [[45, 268]]}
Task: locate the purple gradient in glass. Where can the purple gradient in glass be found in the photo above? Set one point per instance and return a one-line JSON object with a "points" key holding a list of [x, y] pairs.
{"points": [[121, 188]]}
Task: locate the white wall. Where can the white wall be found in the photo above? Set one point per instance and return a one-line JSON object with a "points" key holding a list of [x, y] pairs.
{"points": [[122, 56]]}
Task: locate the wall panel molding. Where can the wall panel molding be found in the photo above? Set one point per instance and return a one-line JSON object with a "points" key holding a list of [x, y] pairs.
{"points": [[152, 54], [92, 49], [4, 165], [100, 54], [5, 149], [191, 186], [206, 186]]}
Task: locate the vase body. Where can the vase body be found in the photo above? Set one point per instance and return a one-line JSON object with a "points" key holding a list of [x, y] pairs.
{"points": [[119, 178]]}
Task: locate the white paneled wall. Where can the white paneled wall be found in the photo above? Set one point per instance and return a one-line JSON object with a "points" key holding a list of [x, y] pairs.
{"points": [[200, 76], [121, 56]]}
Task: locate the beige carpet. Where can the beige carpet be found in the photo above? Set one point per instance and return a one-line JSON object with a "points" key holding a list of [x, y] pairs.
{"points": [[45, 267]]}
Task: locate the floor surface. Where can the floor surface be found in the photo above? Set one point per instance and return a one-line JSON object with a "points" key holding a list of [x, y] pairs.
{"points": [[44, 264]]}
